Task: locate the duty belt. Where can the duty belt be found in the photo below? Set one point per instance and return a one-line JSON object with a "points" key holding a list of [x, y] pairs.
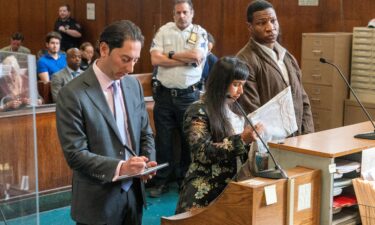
{"points": [[175, 92]]}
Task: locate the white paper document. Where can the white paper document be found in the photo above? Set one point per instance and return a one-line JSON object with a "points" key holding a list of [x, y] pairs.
{"points": [[271, 196], [304, 196], [277, 116]]}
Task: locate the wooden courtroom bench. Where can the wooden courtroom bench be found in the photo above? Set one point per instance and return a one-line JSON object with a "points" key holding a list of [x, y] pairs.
{"points": [[17, 150], [145, 79], [44, 89]]}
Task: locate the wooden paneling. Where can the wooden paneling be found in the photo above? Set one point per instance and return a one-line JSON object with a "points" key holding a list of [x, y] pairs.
{"points": [[53, 169], [149, 24], [17, 150], [234, 33], [91, 28], [125, 10], [225, 19], [9, 22], [32, 26], [205, 19]]}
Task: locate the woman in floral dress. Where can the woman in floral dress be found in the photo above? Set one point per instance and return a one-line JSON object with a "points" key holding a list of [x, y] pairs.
{"points": [[216, 134]]}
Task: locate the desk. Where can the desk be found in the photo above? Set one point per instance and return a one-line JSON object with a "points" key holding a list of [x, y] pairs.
{"points": [[318, 151], [244, 203]]}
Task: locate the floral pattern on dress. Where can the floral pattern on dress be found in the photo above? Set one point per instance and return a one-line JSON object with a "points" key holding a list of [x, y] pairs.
{"points": [[213, 164]]}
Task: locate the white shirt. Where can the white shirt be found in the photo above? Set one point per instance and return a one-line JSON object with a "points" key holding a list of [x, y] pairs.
{"points": [[71, 71], [237, 122], [171, 38], [277, 58], [106, 86]]}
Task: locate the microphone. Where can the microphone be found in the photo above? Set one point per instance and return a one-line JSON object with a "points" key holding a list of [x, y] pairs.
{"points": [[275, 173], [370, 135]]}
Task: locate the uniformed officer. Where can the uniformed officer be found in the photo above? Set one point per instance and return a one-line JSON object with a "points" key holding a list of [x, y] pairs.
{"points": [[69, 28], [178, 51]]}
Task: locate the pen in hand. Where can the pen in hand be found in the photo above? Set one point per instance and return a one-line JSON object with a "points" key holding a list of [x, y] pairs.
{"points": [[131, 151]]}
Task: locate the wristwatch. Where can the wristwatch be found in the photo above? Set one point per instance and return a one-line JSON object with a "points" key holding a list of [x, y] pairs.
{"points": [[170, 54]]}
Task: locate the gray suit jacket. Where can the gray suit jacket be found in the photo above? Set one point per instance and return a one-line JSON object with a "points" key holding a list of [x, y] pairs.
{"points": [[59, 80], [92, 146]]}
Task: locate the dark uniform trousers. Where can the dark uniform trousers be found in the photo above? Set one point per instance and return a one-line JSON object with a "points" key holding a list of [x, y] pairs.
{"points": [[169, 109]]}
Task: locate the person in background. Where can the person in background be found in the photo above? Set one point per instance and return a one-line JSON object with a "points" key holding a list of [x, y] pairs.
{"points": [[54, 60], [210, 60], [14, 85], [272, 68], [69, 28], [87, 51], [16, 41], [64, 76], [104, 131], [216, 134], [178, 50]]}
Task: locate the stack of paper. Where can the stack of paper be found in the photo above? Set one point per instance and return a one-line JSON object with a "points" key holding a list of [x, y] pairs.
{"points": [[277, 116], [346, 217], [346, 166]]}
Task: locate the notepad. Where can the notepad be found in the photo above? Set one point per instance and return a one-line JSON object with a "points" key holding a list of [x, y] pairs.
{"points": [[145, 172]]}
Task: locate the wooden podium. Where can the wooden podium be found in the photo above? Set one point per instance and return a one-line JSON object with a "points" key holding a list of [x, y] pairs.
{"points": [[244, 203]]}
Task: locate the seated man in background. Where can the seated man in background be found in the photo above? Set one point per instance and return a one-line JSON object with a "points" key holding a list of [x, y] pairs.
{"points": [[211, 59], [61, 78], [88, 53], [53, 61], [16, 44]]}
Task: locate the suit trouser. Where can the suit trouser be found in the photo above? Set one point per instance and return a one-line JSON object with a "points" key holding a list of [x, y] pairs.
{"points": [[128, 211], [169, 113]]}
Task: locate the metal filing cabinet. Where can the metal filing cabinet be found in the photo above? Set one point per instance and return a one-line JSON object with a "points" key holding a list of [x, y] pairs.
{"points": [[323, 84], [363, 64]]}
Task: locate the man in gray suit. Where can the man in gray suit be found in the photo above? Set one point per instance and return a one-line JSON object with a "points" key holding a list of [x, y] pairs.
{"points": [[94, 145], [61, 78]]}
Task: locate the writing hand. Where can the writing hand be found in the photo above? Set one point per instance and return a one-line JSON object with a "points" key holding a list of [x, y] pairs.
{"points": [[133, 165], [149, 176]]}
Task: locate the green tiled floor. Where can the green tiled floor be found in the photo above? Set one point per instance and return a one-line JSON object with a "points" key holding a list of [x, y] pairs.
{"points": [[157, 207]]}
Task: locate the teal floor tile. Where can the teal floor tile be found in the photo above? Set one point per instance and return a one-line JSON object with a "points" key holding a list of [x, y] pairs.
{"points": [[157, 207]]}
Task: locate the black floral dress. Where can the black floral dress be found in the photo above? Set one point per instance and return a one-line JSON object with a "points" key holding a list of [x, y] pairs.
{"points": [[213, 164]]}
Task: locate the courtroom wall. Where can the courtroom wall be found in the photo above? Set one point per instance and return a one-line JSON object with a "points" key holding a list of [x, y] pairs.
{"points": [[225, 19]]}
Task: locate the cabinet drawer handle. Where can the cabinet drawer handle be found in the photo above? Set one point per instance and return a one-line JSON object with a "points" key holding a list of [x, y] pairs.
{"points": [[317, 76], [316, 100], [317, 52]]}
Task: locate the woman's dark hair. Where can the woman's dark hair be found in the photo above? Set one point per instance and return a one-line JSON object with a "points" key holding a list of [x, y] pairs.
{"points": [[224, 72]]}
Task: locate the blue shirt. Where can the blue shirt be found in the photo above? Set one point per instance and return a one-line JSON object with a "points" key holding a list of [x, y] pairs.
{"points": [[48, 64]]}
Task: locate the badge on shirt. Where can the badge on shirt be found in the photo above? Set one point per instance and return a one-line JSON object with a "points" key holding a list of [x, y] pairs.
{"points": [[193, 36]]}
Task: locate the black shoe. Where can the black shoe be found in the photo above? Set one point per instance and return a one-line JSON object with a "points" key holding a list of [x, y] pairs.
{"points": [[158, 190]]}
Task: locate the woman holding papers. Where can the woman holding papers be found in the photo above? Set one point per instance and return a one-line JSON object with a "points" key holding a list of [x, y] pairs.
{"points": [[217, 135]]}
